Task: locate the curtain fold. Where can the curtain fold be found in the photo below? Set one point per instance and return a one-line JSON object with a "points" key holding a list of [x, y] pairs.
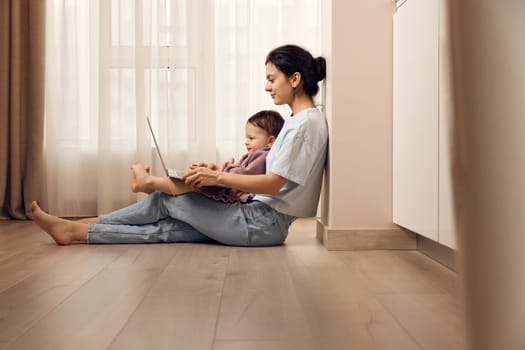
{"points": [[22, 65]]}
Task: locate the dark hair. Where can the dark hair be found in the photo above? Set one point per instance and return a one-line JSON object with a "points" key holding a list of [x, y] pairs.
{"points": [[269, 121], [291, 58]]}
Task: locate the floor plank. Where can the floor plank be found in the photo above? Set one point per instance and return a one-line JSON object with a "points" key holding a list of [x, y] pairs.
{"points": [[432, 319], [91, 316], [328, 291], [285, 344], [180, 310], [55, 279], [259, 299]]}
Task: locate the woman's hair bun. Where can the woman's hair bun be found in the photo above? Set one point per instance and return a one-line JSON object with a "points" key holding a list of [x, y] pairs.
{"points": [[320, 67]]}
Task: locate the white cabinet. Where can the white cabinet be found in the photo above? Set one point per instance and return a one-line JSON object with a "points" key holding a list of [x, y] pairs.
{"points": [[415, 126], [421, 121]]}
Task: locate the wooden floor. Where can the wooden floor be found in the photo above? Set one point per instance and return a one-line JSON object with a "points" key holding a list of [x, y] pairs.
{"points": [[191, 296]]}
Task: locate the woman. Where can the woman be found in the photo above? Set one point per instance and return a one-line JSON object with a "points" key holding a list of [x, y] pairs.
{"points": [[289, 189]]}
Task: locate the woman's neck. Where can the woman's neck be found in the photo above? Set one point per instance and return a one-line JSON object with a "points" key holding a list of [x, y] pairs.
{"points": [[300, 103]]}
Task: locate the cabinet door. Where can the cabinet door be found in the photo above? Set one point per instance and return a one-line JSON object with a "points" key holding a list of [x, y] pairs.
{"points": [[415, 128]]}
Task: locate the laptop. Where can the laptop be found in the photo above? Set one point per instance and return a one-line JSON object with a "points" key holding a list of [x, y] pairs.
{"points": [[172, 173]]}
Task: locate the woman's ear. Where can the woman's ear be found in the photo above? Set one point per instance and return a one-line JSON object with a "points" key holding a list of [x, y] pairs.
{"points": [[271, 140], [295, 79]]}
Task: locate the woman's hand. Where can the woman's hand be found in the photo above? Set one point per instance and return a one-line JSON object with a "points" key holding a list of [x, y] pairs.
{"points": [[202, 176]]}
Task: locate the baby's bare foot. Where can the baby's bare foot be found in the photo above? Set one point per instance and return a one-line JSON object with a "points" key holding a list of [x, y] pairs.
{"points": [[141, 181], [62, 231]]}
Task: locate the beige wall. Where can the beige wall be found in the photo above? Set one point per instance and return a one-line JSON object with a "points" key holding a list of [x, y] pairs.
{"points": [[357, 43]]}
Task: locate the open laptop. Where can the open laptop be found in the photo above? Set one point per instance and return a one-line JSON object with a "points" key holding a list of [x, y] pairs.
{"points": [[174, 174]]}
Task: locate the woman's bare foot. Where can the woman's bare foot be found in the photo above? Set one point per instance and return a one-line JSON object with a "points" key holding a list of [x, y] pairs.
{"points": [[141, 181], [62, 231]]}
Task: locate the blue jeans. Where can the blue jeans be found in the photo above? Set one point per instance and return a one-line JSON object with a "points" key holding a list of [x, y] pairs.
{"points": [[192, 217]]}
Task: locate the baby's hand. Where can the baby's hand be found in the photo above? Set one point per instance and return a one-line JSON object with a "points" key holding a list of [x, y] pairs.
{"points": [[232, 163]]}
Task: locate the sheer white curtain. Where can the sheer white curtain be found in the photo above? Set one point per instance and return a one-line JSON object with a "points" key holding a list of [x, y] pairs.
{"points": [[196, 67]]}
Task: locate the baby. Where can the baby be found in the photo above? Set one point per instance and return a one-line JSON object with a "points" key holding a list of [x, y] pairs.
{"points": [[261, 131]]}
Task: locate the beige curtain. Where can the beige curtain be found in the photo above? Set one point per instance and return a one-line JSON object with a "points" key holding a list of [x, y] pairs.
{"points": [[22, 62], [196, 67]]}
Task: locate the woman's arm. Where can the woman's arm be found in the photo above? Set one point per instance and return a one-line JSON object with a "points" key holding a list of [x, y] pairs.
{"points": [[259, 184]]}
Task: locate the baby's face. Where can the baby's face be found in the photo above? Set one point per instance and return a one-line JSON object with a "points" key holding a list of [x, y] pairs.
{"points": [[256, 138]]}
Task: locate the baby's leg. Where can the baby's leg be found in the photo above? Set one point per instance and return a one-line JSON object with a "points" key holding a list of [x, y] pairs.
{"points": [[174, 187], [143, 181]]}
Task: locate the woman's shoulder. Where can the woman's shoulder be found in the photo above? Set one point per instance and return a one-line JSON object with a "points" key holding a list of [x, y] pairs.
{"points": [[304, 126], [311, 112], [310, 119], [309, 115]]}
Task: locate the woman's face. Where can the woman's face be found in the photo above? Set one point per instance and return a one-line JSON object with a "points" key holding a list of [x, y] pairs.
{"points": [[278, 85]]}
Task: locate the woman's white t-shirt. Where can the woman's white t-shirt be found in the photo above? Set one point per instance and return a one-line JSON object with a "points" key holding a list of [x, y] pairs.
{"points": [[298, 155]]}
